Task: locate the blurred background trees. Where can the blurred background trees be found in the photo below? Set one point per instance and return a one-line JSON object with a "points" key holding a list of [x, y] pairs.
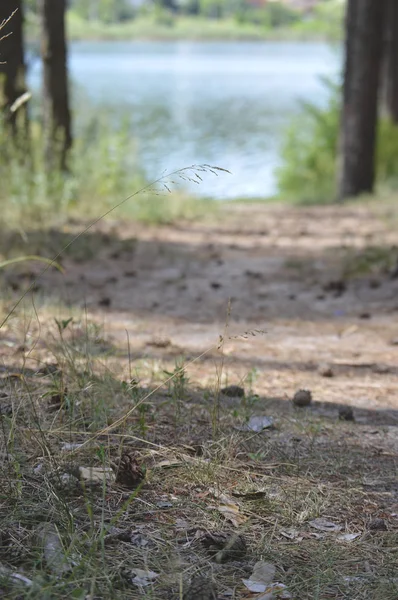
{"points": [[340, 149]]}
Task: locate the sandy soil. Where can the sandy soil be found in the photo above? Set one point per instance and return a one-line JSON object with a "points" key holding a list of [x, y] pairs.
{"points": [[317, 281]]}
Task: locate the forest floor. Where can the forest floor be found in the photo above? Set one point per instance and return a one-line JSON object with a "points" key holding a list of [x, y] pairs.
{"points": [[127, 471]]}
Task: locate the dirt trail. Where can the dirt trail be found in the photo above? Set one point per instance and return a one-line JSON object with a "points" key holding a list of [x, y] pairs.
{"points": [[319, 286], [316, 280]]}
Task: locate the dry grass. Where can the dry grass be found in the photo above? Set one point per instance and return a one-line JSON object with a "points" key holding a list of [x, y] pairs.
{"points": [[72, 396], [308, 466]]}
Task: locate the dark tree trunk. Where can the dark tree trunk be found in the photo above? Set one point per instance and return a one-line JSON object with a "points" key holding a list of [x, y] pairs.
{"points": [[12, 64], [364, 43], [390, 71], [56, 110]]}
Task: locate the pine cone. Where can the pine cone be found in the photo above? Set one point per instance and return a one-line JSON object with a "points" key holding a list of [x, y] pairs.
{"points": [[302, 398], [224, 546], [201, 589], [128, 471]]}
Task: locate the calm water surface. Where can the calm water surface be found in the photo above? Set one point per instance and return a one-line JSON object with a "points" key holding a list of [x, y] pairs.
{"points": [[220, 103]]}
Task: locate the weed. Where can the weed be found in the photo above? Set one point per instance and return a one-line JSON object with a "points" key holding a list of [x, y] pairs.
{"points": [[177, 387]]}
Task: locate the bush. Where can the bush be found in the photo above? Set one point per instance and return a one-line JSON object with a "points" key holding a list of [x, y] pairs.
{"points": [[102, 170], [309, 152]]}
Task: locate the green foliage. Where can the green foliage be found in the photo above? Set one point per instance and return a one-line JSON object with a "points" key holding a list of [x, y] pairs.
{"points": [[107, 11], [325, 22], [309, 152], [102, 171], [272, 16], [200, 19]]}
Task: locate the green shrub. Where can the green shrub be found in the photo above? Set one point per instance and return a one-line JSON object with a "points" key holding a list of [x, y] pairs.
{"points": [[102, 171], [309, 152]]}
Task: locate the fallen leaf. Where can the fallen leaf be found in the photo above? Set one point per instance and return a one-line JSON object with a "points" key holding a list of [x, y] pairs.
{"points": [[6, 573], [228, 508], [276, 591], [257, 424], [232, 514], [290, 534], [52, 549], [324, 525], [96, 475], [261, 578], [142, 578], [68, 447], [348, 537]]}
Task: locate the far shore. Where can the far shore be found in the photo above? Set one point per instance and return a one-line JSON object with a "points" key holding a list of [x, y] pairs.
{"points": [[191, 29]]}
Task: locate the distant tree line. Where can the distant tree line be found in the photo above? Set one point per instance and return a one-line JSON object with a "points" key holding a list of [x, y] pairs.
{"points": [[370, 82], [272, 14]]}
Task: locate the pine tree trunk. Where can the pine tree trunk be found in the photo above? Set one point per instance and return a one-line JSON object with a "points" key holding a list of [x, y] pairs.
{"points": [[364, 42], [390, 71], [12, 64], [56, 110]]}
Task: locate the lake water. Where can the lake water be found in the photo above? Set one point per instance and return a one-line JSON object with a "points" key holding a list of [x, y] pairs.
{"points": [[224, 103]]}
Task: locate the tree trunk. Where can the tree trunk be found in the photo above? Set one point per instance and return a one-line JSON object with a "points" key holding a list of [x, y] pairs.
{"points": [[390, 70], [364, 41], [12, 64], [56, 110]]}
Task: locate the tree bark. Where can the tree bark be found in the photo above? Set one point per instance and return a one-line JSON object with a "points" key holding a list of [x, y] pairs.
{"points": [[56, 109], [390, 70], [12, 63], [363, 48]]}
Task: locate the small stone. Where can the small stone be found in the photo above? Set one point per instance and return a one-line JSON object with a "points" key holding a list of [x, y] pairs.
{"points": [[377, 525], [233, 391], [346, 413], [302, 398], [325, 370], [201, 588]]}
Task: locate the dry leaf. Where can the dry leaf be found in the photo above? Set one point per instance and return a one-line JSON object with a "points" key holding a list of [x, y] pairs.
{"points": [[52, 549], [96, 475], [276, 591], [228, 508], [261, 578], [290, 534], [324, 525], [142, 578], [347, 537], [232, 514], [257, 424]]}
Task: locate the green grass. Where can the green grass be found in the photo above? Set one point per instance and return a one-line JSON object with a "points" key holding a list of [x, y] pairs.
{"points": [[103, 171], [308, 173]]}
